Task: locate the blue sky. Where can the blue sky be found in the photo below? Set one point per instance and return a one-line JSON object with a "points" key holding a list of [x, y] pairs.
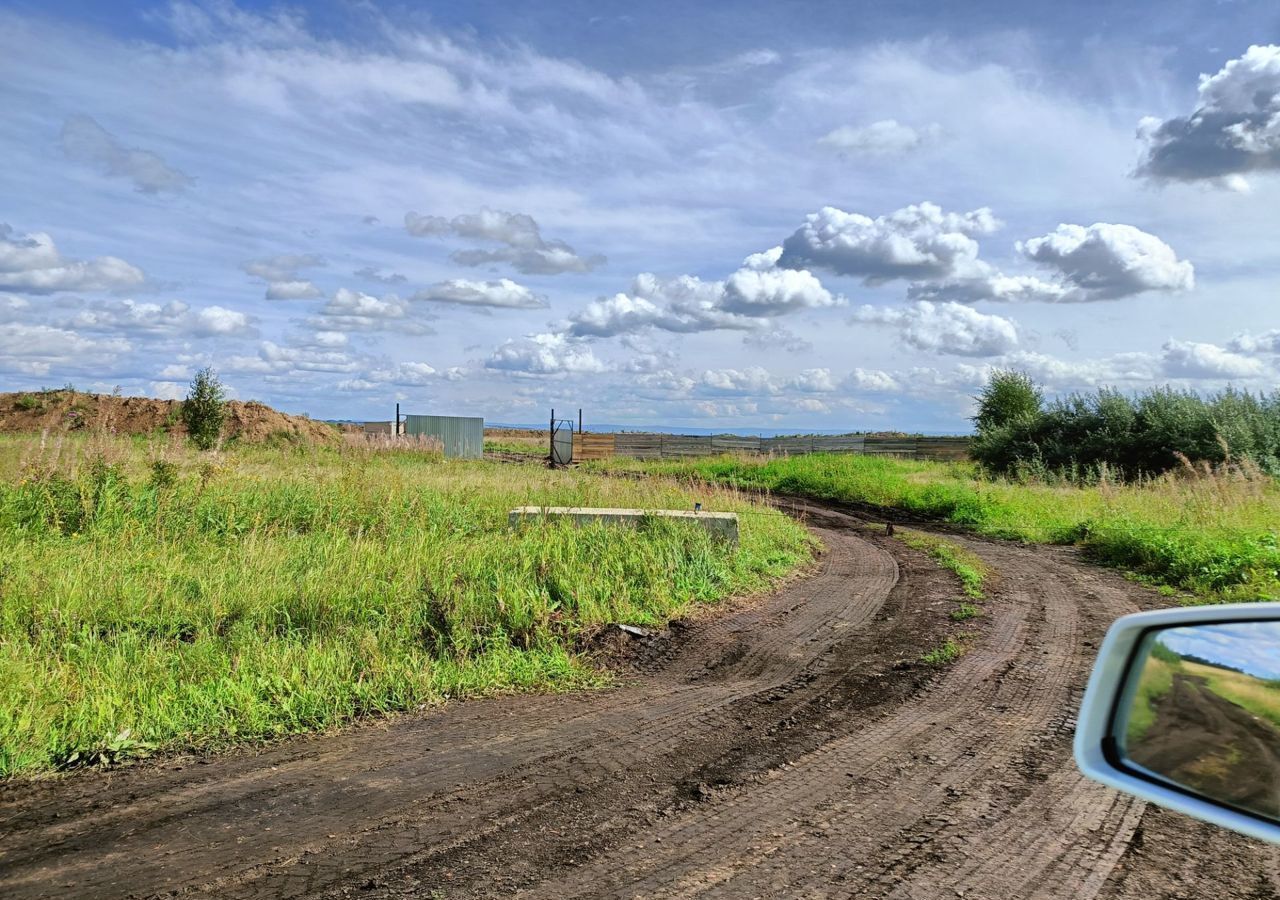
{"points": [[1252, 647], [784, 215]]}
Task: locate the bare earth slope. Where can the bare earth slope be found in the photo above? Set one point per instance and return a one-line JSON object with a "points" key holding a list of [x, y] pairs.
{"points": [[791, 747], [71, 410]]}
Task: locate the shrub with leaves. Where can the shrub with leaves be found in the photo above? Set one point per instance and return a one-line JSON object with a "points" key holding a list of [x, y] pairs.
{"points": [[204, 410], [1085, 437]]}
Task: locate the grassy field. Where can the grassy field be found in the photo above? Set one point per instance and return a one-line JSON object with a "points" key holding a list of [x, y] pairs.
{"points": [[153, 598], [1257, 695], [1215, 535]]}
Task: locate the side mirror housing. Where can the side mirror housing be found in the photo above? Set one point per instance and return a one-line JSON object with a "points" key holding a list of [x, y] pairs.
{"points": [[1183, 710]]}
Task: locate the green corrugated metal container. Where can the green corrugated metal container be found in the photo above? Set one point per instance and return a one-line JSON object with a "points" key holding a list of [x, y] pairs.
{"points": [[462, 436]]}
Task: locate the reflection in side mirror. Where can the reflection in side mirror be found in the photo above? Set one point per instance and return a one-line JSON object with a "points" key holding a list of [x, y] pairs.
{"points": [[1200, 712]]}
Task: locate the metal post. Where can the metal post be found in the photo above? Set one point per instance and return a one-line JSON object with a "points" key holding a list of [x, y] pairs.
{"points": [[395, 426], [579, 420], [551, 439]]}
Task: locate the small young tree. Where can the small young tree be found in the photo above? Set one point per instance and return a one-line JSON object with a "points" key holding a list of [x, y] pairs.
{"points": [[1009, 397], [204, 409], [1010, 413]]}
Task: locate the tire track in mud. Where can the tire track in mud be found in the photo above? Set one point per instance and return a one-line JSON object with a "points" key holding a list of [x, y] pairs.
{"points": [[787, 747]]}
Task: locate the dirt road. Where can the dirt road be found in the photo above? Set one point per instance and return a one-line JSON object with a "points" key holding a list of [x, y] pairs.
{"points": [[787, 747], [1205, 741]]}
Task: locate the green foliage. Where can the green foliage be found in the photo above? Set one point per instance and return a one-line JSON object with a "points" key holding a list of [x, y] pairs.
{"points": [[965, 611], [204, 409], [1164, 654], [27, 402], [179, 604], [1155, 681], [164, 474], [1008, 398], [111, 751], [947, 652], [1108, 434]]}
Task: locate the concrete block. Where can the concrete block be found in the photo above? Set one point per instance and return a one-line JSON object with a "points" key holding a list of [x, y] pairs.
{"points": [[720, 524]]}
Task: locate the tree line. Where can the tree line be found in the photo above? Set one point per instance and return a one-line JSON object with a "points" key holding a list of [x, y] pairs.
{"points": [[1083, 435]]}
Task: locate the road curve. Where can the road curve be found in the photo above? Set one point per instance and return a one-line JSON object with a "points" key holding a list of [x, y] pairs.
{"points": [[791, 746]]}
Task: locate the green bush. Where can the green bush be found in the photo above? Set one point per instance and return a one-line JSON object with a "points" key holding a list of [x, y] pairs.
{"points": [[204, 410], [1086, 437]]}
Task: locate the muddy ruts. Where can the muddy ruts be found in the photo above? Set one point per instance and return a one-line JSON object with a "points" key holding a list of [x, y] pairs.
{"points": [[792, 746]]}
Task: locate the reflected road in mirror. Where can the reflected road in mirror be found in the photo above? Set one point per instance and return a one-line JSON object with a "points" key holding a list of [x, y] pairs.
{"points": [[1205, 713]]}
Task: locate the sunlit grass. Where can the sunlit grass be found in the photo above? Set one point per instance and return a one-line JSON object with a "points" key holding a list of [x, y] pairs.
{"points": [[1258, 696], [1155, 680], [1214, 534], [195, 601]]}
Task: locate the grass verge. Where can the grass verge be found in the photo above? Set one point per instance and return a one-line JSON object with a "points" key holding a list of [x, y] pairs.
{"points": [[154, 598], [1211, 534]]}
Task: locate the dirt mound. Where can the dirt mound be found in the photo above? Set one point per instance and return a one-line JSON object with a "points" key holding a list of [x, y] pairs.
{"points": [[65, 410]]}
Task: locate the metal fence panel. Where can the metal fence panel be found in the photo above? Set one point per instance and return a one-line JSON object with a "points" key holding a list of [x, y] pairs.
{"points": [[787, 446], [732, 443], [461, 436], [561, 442], [675, 446], [890, 445], [943, 448], [658, 446], [639, 446], [838, 443]]}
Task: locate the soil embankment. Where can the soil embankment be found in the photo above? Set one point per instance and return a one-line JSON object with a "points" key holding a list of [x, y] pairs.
{"points": [[66, 410]]}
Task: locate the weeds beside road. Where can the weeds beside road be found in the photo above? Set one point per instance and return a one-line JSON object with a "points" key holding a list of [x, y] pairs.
{"points": [[1209, 532], [154, 597]]}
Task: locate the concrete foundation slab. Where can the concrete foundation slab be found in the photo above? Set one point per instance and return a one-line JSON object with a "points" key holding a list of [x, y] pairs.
{"points": [[720, 524]]}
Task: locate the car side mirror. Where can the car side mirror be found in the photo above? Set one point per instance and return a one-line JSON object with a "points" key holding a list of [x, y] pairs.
{"points": [[1183, 710]]}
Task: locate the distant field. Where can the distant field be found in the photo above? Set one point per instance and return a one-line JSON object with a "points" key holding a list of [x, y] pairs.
{"points": [[1260, 697], [1214, 535], [522, 441], [1256, 695], [158, 598]]}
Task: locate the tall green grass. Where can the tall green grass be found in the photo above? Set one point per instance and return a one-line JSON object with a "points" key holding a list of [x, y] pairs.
{"points": [[153, 597], [1213, 532]]}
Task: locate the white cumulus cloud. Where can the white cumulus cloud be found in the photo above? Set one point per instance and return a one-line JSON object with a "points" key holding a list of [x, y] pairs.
{"points": [[1193, 359], [544, 354], [500, 294], [745, 301], [1233, 131], [31, 263], [950, 328], [917, 242], [1107, 262], [349, 310]]}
